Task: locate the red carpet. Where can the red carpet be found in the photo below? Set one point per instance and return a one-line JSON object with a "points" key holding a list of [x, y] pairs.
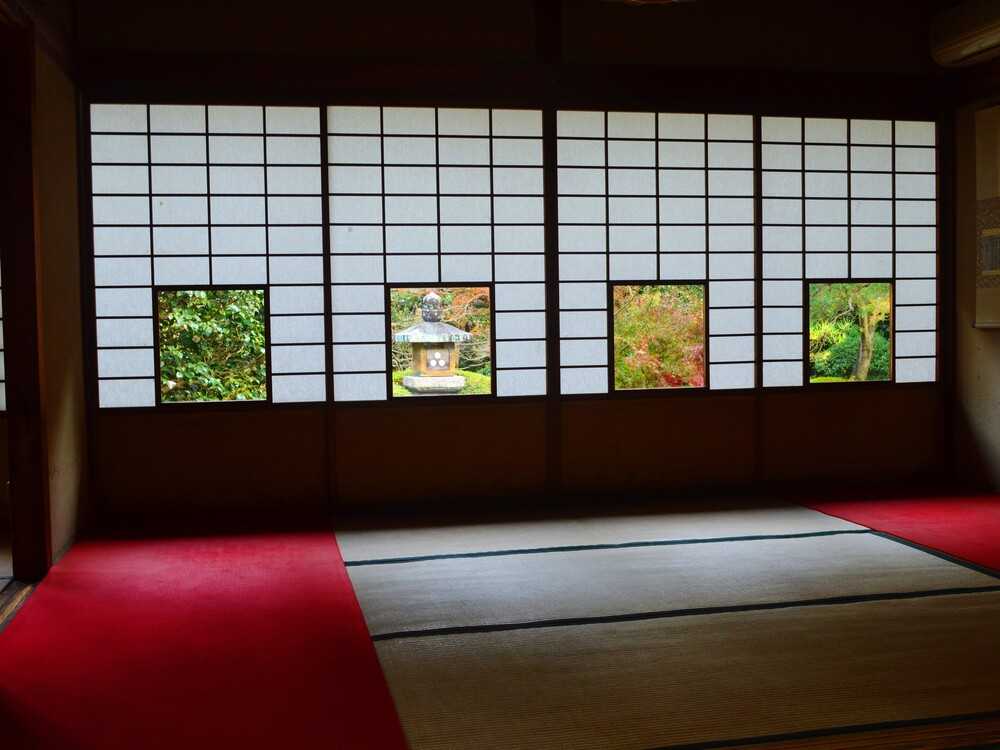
{"points": [[252, 641], [967, 527]]}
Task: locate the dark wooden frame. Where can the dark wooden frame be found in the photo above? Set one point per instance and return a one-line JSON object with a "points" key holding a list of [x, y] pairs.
{"points": [[27, 433]]}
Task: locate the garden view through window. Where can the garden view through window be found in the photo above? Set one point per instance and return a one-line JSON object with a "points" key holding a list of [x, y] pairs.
{"points": [[849, 332], [212, 345], [659, 336], [441, 341]]}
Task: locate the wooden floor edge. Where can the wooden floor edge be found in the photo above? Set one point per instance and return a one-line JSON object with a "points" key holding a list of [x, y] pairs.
{"points": [[964, 734], [12, 597]]}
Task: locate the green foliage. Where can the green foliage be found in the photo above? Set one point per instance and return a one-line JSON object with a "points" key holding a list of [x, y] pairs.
{"points": [[466, 308], [659, 336], [212, 345], [837, 360], [475, 384], [838, 315], [841, 301]]}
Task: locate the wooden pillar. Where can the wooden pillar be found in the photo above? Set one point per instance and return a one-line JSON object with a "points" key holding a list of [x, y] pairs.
{"points": [[29, 487]]}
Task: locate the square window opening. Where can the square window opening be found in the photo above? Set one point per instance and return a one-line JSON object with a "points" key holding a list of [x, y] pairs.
{"points": [[659, 336], [212, 345], [850, 332], [441, 341]]}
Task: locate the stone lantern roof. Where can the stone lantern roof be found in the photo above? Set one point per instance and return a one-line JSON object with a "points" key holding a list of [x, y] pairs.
{"points": [[431, 330]]}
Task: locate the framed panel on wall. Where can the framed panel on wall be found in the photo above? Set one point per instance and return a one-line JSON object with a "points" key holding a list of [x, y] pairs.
{"points": [[201, 198], [987, 313], [664, 200], [437, 199], [381, 253], [849, 256]]}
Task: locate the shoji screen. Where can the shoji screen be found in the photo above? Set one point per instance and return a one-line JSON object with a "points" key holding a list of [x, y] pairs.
{"points": [[646, 197], [207, 196], [848, 199], [425, 196]]}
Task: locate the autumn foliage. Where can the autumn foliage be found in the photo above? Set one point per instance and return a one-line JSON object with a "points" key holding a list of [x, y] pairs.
{"points": [[659, 335]]}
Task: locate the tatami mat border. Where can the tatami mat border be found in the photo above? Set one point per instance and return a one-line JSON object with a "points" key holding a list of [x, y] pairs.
{"points": [[835, 731], [992, 572], [689, 612], [612, 545]]}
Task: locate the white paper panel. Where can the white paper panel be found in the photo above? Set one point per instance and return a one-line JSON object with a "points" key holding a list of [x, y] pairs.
{"points": [[297, 299], [176, 118], [123, 302], [527, 325], [576, 352], [300, 120], [515, 239], [916, 370], [729, 376], [359, 357], [246, 240], [466, 268], [463, 239], [412, 269], [575, 296], [234, 180], [783, 346], [298, 388], [121, 179], [520, 354], [731, 349], [120, 393], [632, 267], [295, 270], [777, 374], [298, 329], [520, 382], [916, 318], [359, 387], [235, 120], [283, 150], [519, 297], [121, 240], [583, 380], [686, 266], [125, 363], [236, 150], [118, 118]]}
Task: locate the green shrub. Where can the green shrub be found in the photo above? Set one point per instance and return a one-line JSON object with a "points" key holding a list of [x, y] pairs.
{"points": [[212, 345], [838, 360]]}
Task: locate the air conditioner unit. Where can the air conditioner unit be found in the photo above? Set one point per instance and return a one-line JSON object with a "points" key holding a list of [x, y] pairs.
{"points": [[966, 34]]}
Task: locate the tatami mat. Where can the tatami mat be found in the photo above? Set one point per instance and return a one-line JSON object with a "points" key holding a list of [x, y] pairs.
{"points": [[480, 591], [692, 523], [594, 633], [658, 683]]}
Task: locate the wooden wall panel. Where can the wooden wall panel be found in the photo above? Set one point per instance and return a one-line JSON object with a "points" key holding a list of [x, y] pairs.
{"points": [[210, 460], [876, 434], [401, 455], [645, 444], [57, 235]]}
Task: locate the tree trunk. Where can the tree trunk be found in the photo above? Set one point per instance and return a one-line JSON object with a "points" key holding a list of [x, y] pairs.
{"points": [[866, 348]]}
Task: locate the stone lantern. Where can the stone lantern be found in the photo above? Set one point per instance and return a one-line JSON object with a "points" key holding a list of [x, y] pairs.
{"points": [[434, 346]]}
